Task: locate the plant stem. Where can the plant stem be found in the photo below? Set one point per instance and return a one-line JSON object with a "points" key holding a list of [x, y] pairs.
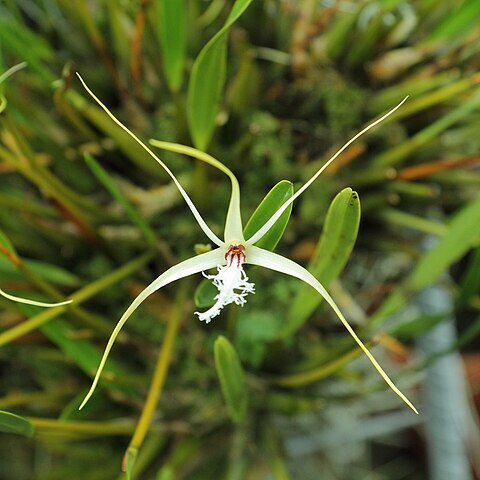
{"points": [[304, 378], [98, 428], [159, 376]]}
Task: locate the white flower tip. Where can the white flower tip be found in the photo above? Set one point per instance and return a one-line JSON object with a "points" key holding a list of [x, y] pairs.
{"points": [[206, 318]]}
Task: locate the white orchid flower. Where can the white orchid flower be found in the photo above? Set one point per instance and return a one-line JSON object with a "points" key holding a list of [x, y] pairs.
{"points": [[233, 252]]}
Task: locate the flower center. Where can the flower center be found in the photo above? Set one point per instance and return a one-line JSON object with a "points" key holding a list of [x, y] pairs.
{"points": [[236, 252], [231, 282]]}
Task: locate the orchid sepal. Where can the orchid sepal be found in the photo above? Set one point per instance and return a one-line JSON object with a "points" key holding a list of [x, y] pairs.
{"points": [[201, 222], [233, 223], [273, 261], [183, 269], [268, 225], [33, 302]]}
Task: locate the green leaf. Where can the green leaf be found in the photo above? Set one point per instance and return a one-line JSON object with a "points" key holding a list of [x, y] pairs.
{"points": [[463, 232], [10, 423], [129, 462], [84, 354], [5, 242], [332, 252], [171, 16], [458, 21], [418, 326], [232, 379], [46, 271], [135, 153], [207, 81], [274, 199], [205, 294], [470, 285], [110, 185]]}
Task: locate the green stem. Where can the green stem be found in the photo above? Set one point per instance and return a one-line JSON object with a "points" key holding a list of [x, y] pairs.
{"points": [[36, 398], [96, 428], [304, 378], [78, 297], [237, 464], [159, 376], [275, 456]]}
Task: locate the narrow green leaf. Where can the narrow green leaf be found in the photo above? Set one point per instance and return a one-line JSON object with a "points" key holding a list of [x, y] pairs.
{"points": [[418, 326], [83, 353], [207, 81], [46, 271], [10, 423], [129, 462], [28, 46], [232, 379], [463, 232], [458, 21], [134, 152], [470, 285], [274, 199], [399, 153], [110, 185], [5, 242], [171, 16], [205, 294], [331, 255]]}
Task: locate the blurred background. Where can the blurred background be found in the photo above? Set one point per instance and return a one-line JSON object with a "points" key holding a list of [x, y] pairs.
{"points": [[272, 89]]}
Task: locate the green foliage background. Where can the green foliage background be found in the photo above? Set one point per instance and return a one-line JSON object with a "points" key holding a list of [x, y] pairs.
{"points": [[271, 88]]}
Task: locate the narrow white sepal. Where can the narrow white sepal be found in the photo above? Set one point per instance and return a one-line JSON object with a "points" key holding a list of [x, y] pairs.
{"points": [[33, 302], [264, 258], [270, 222], [201, 222], [233, 224], [183, 269], [233, 287]]}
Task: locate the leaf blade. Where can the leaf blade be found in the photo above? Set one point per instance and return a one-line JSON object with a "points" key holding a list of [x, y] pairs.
{"points": [[11, 423], [332, 252], [232, 379], [207, 81]]}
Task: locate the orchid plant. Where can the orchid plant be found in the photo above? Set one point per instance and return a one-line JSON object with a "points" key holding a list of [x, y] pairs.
{"points": [[233, 252]]}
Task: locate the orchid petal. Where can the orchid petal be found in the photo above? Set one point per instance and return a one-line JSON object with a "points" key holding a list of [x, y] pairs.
{"points": [[206, 229], [268, 225], [233, 224], [183, 269], [33, 302], [264, 258]]}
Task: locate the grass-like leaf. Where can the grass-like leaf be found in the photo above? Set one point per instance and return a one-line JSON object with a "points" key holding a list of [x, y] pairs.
{"points": [[207, 81], [10, 423]]}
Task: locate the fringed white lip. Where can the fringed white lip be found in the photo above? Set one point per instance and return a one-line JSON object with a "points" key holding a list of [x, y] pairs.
{"points": [[231, 281]]}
